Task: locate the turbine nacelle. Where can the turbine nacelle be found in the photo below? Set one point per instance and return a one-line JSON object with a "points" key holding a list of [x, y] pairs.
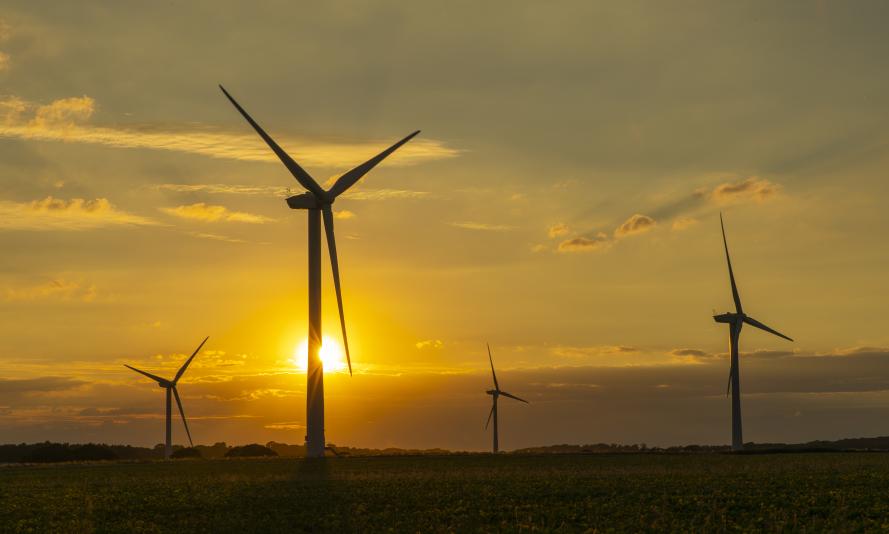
{"points": [[493, 392], [307, 201], [729, 318]]}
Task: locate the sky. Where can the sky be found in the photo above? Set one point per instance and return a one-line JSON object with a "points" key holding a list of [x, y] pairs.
{"points": [[562, 203]]}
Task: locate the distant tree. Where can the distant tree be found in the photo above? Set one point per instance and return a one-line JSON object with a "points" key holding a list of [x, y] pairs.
{"points": [[252, 450], [186, 452]]}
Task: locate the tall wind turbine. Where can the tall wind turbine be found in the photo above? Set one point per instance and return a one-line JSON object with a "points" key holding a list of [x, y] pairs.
{"points": [[736, 321], [318, 202], [170, 386], [495, 393]]}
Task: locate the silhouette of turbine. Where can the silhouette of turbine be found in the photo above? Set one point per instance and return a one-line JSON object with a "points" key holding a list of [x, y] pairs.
{"points": [[170, 386], [495, 393], [736, 321], [318, 203]]}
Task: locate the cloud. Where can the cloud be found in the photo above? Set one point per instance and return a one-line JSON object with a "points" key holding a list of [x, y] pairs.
{"points": [[557, 230], [637, 224], [429, 344], [681, 223], [210, 213], [585, 244], [750, 189], [216, 237], [697, 353], [57, 214], [343, 214], [67, 120], [45, 384], [597, 350], [468, 225], [287, 425], [223, 189], [55, 288]]}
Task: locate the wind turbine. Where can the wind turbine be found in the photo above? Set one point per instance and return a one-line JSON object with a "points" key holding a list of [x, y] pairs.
{"points": [[318, 202], [736, 321], [170, 386], [495, 394]]}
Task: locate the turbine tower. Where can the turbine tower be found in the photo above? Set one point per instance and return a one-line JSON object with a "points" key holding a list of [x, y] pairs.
{"points": [[318, 202], [736, 321], [170, 386], [495, 393]]}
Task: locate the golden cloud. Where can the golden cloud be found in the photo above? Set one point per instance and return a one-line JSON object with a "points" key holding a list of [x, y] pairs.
{"points": [[56, 214], [750, 189], [209, 213], [469, 225], [585, 244], [557, 230], [343, 214], [637, 224], [53, 289], [681, 223], [66, 120], [429, 344]]}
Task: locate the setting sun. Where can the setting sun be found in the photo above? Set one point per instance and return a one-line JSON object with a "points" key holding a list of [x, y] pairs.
{"points": [[332, 356]]}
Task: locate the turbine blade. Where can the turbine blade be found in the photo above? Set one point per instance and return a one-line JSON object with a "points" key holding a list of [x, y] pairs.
{"points": [[182, 369], [731, 274], [350, 178], [334, 264], [301, 176], [494, 374], [149, 375], [490, 415], [182, 413], [511, 396], [753, 322], [731, 373]]}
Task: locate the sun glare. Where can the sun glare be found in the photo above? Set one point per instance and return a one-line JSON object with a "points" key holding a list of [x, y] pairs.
{"points": [[332, 356]]}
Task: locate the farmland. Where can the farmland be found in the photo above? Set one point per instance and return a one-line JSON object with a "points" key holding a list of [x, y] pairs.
{"points": [[570, 493]]}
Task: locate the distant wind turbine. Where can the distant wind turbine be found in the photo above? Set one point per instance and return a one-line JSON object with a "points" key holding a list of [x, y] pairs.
{"points": [[495, 393], [736, 321], [170, 386], [317, 202]]}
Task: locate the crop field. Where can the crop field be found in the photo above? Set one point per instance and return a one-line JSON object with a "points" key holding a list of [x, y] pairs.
{"points": [[622, 492]]}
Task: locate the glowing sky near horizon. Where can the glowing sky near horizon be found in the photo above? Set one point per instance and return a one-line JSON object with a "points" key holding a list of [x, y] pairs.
{"points": [[561, 203]]}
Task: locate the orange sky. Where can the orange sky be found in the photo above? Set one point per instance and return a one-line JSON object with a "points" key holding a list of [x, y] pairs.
{"points": [[562, 203]]}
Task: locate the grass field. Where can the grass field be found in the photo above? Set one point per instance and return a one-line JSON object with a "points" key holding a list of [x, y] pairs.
{"points": [[705, 493]]}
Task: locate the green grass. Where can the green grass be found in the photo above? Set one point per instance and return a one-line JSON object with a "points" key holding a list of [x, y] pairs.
{"points": [[691, 493]]}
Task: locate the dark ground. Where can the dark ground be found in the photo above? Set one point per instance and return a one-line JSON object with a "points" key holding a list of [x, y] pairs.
{"points": [[837, 492]]}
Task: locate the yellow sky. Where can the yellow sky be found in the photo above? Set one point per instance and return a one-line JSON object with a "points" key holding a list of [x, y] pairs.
{"points": [[562, 203]]}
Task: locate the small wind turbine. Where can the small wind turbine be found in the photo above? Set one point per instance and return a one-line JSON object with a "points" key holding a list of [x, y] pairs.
{"points": [[170, 386], [736, 321], [316, 201], [495, 393]]}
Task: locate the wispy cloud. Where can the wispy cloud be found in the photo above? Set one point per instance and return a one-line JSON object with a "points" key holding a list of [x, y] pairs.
{"points": [[57, 214], [636, 224], [209, 213], [469, 225], [597, 350], [57, 288], [429, 344], [557, 230], [599, 241], [216, 237], [750, 189], [234, 189], [682, 223], [343, 214], [67, 120]]}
